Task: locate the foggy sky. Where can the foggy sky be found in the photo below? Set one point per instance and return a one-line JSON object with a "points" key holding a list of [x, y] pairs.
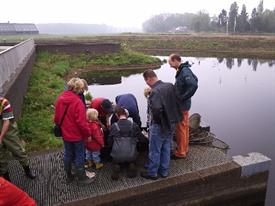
{"points": [[118, 13]]}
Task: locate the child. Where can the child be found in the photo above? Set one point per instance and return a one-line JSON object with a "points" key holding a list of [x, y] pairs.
{"points": [[95, 142], [123, 140]]}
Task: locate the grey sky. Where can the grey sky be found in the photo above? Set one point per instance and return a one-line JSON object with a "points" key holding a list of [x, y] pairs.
{"points": [[119, 13]]}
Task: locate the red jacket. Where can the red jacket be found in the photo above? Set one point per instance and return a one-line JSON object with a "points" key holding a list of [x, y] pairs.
{"points": [[96, 142], [75, 126], [12, 195], [96, 104]]}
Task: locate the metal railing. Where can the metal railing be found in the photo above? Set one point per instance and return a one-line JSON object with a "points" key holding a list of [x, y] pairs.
{"points": [[12, 59]]}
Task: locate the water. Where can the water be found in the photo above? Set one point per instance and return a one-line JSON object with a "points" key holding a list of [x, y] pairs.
{"points": [[236, 97]]}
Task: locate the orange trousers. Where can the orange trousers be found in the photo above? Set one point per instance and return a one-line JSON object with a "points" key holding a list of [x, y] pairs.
{"points": [[182, 135]]}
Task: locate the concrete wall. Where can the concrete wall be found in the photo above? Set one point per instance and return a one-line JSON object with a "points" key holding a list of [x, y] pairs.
{"points": [[15, 69], [78, 48]]}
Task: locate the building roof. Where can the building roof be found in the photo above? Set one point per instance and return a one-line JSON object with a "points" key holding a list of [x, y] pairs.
{"points": [[14, 27]]}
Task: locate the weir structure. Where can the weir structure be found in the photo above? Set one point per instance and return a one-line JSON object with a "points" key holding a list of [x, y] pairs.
{"points": [[207, 176]]}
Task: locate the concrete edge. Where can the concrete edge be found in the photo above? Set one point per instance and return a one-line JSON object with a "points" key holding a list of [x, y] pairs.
{"points": [[253, 163], [190, 178]]}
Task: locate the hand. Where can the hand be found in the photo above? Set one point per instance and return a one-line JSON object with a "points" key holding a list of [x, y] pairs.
{"points": [[103, 127], [89, 139]]}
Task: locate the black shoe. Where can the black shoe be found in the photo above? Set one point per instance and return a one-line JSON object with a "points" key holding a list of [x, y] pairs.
{"points": [[115, 172], [148, 177], [6, 176], [174, 157], [132, 170], [29, 173], [163, 176]]}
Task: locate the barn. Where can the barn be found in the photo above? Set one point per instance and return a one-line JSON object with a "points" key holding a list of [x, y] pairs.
{"points": [[15, 29]]}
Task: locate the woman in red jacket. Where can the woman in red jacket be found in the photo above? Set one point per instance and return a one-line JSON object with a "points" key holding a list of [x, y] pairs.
{"points": [[70, 114], [12, 195], [96, 142]]}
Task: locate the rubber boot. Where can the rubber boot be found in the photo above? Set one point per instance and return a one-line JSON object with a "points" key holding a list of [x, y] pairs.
{"points": [[115, 172], [82, 178], [99, 165], [28, 172], [6, 176], [68, 170], [132, 170]]}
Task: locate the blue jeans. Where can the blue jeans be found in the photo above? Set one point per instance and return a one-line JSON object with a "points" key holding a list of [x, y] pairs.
{"points": [[93, 155], [74, 152], [159, 151]]}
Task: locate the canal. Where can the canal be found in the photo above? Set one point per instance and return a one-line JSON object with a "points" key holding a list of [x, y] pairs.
{"points": [[236, 97]]}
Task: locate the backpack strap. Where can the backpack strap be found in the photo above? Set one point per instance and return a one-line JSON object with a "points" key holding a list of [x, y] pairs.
{"points": [[117, 127], [132, 126]]}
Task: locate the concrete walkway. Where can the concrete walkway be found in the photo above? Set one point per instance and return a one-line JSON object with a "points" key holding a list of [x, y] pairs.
{"points": [[50, 187]]}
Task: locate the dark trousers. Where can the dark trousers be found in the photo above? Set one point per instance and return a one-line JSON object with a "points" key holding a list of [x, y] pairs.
{"points": [[74, 152]]}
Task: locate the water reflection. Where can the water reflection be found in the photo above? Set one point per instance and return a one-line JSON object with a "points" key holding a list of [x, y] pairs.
{"points": [[239, 60], [229, 62], [111, 78], [103, 80]]}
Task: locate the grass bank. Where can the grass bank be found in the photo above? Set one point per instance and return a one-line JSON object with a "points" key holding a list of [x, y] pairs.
{"points": [[200, 45], [47, 82]]}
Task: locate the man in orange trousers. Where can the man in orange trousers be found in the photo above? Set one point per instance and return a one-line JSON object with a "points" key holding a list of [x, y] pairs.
{"points": [[186, 85]]}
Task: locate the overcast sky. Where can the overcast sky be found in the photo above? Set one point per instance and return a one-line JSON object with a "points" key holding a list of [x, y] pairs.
{"points": [[119, 13]]}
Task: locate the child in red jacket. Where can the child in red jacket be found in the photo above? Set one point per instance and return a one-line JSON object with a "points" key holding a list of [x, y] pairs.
{"points": [[94, 143]]}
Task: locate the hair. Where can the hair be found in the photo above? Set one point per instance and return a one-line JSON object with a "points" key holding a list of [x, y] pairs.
{"points": [[121, 112], [85, 84], [92, 114], [174, 57], [75, 85], [149, 74]]}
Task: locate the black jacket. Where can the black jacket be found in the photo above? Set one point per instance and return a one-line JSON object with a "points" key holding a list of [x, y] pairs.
{"points": [[126, 129], [164, 106]]}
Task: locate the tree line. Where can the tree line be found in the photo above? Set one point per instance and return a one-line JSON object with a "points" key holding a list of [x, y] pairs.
{"points": [[236, 20]]}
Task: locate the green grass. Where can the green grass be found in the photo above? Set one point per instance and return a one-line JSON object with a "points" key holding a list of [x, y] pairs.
{"points": [[47, 82]]}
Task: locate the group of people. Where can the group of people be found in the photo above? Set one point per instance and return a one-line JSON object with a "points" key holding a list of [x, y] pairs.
{"points": [[104, 130]]}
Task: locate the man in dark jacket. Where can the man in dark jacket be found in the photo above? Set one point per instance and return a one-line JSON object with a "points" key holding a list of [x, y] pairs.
{"points": [[129, 102], [186, 85], [165, 114]]}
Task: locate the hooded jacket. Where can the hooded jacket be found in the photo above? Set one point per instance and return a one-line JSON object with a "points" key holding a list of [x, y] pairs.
{"points": [[75, 126], [96, 142], [129, 102], [186, 85]]}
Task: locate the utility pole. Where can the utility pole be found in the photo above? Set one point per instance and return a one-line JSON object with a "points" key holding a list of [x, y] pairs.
{"points": [[227, 18]]}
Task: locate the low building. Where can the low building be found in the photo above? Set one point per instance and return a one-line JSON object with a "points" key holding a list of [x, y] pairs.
{"points": [[14, 29]]}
